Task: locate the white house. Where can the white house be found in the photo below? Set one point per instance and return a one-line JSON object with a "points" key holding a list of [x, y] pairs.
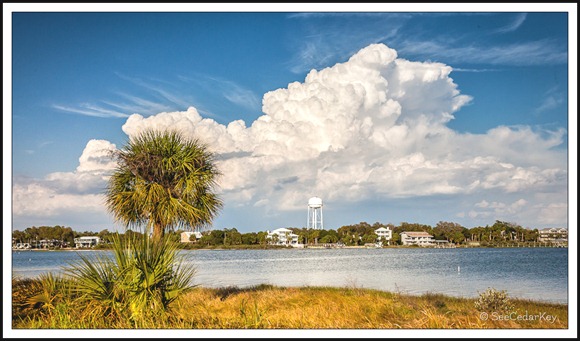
{"points": [[382, 232], [283, 236], [553, 235], [87, 241], [417, 238], [185, 236]]}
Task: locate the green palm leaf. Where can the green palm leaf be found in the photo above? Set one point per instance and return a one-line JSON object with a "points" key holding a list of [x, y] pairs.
{"points": [[163, 181]]}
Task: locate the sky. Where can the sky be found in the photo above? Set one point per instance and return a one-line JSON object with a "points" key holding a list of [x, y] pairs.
{"points": [[388, 115]]}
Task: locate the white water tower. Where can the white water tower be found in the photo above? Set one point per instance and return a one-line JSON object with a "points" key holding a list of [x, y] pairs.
{"points": [[315, 214]]}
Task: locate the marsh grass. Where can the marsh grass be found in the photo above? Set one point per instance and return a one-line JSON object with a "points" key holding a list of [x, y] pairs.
{"points": [[271, 307]]}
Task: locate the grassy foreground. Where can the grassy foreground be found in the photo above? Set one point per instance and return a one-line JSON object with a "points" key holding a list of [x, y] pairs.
{"points": [[270, 307]]}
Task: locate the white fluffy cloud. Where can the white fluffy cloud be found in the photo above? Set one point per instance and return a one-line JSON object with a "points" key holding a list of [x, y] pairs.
{"points": [[371, 128], [374, 126], [62, 194]]}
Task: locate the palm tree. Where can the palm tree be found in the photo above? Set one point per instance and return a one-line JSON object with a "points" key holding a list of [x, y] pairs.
{"points": [[163, 181]]}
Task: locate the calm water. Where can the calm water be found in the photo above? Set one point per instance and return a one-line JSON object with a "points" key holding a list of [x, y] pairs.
{"points": [[535, 273]]}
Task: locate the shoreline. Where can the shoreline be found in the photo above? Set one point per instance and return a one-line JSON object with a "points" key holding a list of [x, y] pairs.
{"points": [[403, 293], [311, 248]]}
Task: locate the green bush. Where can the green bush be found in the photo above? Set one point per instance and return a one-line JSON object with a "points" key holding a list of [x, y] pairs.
{"points": [[142, 278]]}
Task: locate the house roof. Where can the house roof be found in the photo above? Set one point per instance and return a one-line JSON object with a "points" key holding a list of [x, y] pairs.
{"points": [[417, 234], [281, 230], [554, 229], [382, 229]]}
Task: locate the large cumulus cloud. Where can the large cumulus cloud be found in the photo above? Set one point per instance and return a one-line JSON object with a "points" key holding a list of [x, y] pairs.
{"points": [[371, 128]]}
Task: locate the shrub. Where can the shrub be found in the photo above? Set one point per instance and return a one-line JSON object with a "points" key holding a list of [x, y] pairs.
{"points": [[142, 278], [493, 300]]}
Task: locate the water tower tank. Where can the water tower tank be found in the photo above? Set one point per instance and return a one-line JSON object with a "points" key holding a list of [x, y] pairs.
{"points": [[315, 214], [315, 202]]}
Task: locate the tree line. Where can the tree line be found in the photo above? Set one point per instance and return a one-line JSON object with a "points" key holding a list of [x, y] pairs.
{"points": [[349, 235]]}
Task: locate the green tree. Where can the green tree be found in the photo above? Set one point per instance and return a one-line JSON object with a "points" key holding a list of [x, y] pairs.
{"points": [[68, 236], [451, 231], [19, 236], [205, 240], [383, 240], [396, 238], [106, 236], [192, 238], [303, 237], [216, 237], [262, 237], [370, 238], [329, 238], [250, 238], [313, 236], [163, 181], [232, 237], [274, 239]]}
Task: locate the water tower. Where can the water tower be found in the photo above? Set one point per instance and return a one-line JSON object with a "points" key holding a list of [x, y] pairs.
{"points": [[315, 214]]}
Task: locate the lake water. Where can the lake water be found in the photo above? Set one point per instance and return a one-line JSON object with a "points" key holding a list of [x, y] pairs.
{"points": [[534, 273]]}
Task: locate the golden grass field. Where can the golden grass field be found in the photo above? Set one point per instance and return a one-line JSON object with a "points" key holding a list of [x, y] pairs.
{"points": [[270, 307]]}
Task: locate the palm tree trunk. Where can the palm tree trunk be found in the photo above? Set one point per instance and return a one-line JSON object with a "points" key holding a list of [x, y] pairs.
{"points": [[158, 231]]}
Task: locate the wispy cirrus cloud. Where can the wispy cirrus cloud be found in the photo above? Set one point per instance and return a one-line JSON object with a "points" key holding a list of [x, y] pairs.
{"points": [[473, 70], [382, 15], [135, 104], [552, 99], [150, 96], [514, 25], [237, 94], [540, 52], [163, 93], [90, 110], [228, 89], [344, 34], [155, 96]]}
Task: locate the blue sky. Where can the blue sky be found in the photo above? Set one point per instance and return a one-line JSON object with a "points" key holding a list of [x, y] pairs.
{"points": [[440, 116]]}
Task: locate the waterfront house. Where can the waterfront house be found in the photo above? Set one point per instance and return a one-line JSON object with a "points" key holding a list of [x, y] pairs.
{"points": [[186, 236], [86, 241], [553, 235], [49, 243], [417, 238], [443, 244], [21, 246], [283, 236], [382, 232]]}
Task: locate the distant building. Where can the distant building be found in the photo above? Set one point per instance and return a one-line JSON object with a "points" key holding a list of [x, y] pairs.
{"points": [[382, 232], [21, 246], [417, 238], [186, 236], [87, 241], [553, 235], [282, 236], [443, 243], [49, 243]]}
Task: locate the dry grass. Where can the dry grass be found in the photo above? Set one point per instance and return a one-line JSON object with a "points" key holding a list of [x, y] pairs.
{"points": [[269, 307], [348, 308]]}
